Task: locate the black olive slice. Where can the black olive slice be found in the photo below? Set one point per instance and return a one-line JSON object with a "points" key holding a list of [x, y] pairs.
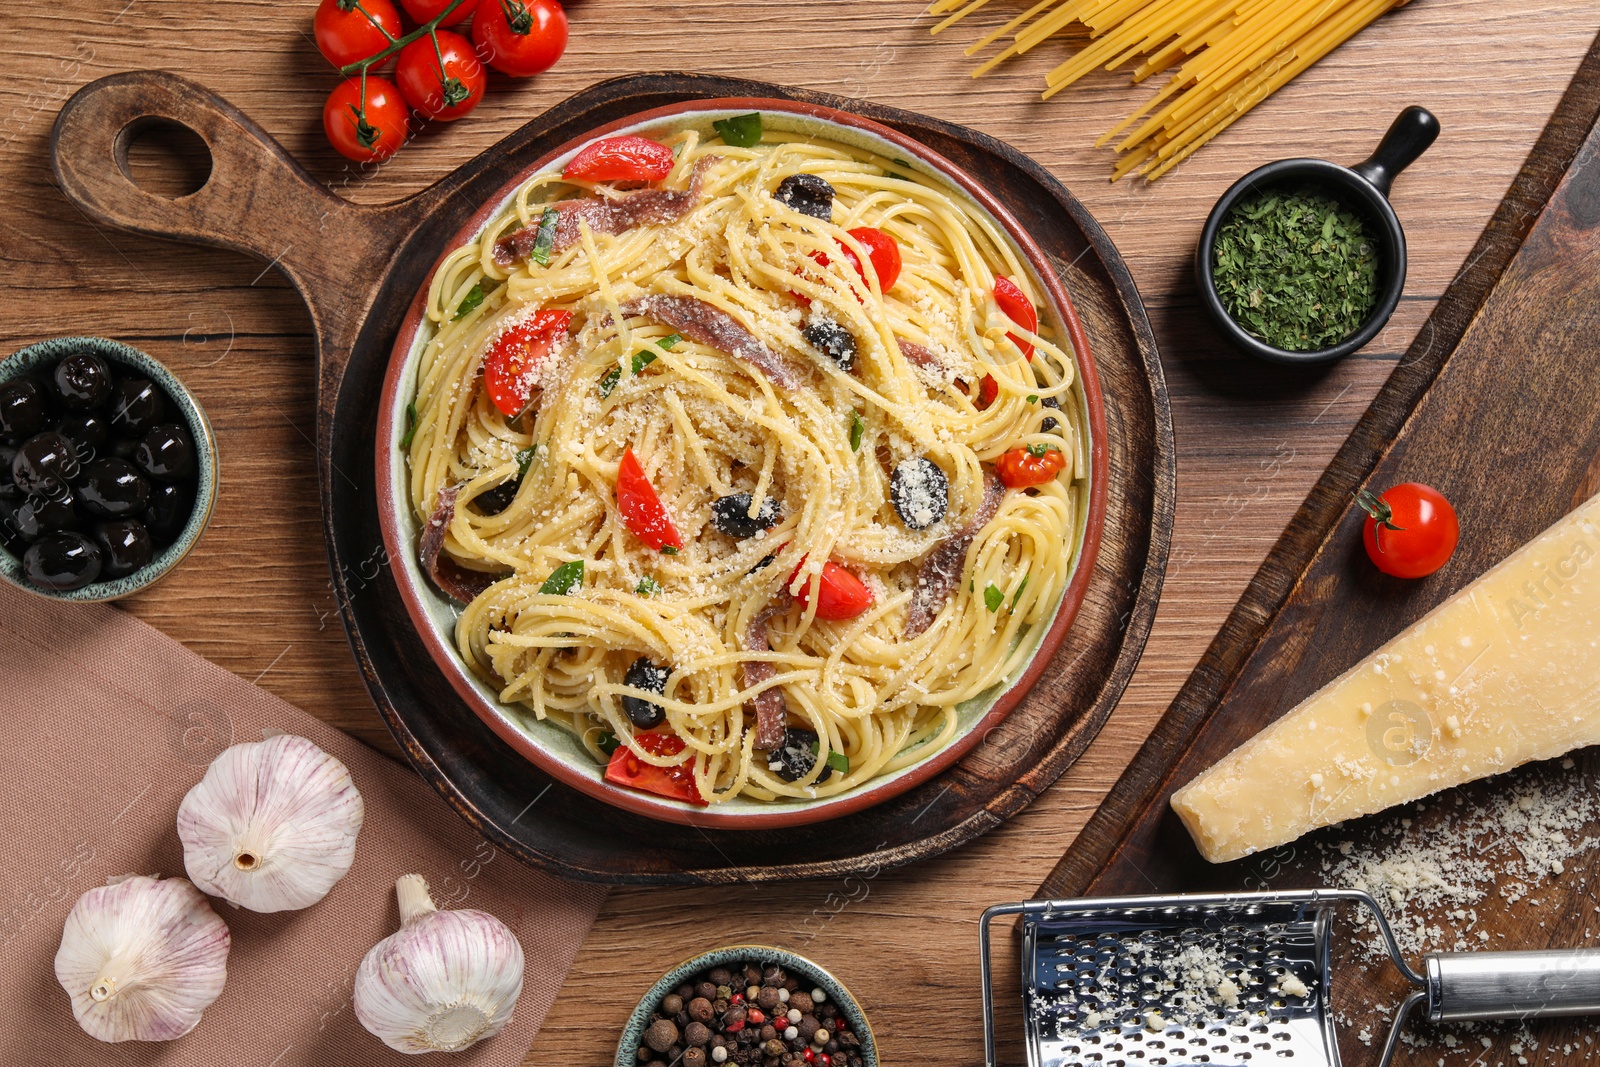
{"points": [[807, 194], [833, 341], [643, 674], [731, 515], [920, 492]]}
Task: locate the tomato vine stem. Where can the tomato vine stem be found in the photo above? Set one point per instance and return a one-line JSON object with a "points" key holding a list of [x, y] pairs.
{"points": [[396, 43]]}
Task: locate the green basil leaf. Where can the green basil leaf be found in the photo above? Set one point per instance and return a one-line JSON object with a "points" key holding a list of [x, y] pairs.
{"points": [[609, 382], [839, 762], [993, 597], [740, 131], [473, 298], [1018, 594], [857, 427], [641, 360], [668, 550], [525, 460], [564, 579], [666, 343], [607, 742], [545, 240], [647, 586]]}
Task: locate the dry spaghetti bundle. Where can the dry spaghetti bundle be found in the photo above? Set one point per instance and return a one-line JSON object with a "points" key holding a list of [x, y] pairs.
{"points": [[1229, 54]]}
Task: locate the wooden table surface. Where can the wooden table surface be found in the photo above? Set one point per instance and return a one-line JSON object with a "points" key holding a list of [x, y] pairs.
{"points": [[255, 595]]}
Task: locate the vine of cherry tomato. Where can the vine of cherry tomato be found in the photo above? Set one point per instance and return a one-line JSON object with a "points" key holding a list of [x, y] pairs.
{"points": [[1410, 531], [440, 74]]}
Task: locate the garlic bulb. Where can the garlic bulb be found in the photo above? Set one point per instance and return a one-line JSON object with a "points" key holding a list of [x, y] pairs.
{"points": [[447, 980], [272, 825], [142, 959]]}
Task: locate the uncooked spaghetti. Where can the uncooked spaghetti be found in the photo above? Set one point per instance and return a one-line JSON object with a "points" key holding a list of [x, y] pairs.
{"points": [[743, 518]]}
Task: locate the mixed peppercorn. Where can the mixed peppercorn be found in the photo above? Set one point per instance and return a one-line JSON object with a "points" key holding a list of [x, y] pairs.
{"points": [[750, 1014]]}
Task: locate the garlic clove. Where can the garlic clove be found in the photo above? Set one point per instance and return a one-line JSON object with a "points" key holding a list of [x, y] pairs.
{"points": [[272, 825], [142, 959], [446, 980]]}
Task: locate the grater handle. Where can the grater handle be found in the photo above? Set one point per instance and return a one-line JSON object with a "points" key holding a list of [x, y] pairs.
{"points": [[986, 969], [1512, 985]]}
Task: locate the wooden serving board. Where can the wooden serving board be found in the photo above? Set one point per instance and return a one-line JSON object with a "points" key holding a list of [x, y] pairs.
{"points": [[1497, 403], [358, 269]]}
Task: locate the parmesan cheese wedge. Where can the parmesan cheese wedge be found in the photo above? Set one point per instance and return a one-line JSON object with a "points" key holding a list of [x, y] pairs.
{"points": [[1505, 672]]}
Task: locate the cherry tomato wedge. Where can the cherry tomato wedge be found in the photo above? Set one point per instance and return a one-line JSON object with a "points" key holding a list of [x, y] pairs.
{"points": [[621, 159], [1411, 530], [840, 594], [510, 364], [641, 508], [425, 10], [882, 250], [520, 37], [988, 389], [674, 783], [1033, 465], [345, 37], [368, 135], [1018, 310], [441, 93]]}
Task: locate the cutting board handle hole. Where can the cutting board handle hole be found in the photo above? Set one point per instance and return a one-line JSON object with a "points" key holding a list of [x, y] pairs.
{"points": [[163, 157]]}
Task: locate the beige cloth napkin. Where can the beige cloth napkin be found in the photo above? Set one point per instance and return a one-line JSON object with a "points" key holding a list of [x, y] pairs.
{"points": [[106, 724]]}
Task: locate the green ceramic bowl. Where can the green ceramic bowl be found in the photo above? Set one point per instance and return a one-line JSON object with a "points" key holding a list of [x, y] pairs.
{"points": [[809, 974], [46, 353]]}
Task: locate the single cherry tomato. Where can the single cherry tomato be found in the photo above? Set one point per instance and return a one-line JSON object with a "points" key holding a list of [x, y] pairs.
{"points": [[675, 783], [1015, 306], [520, 37], [1019, 468], [368, 134], [988, 390], [884, 252], [840, 594], [441, 94], [641, 508], [1411, 530], [622, 159], [512, 362], [345, 35], [426, 10]]}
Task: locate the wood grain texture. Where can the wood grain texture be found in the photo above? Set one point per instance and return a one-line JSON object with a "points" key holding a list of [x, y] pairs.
{"points": [[1516, 445], [1251, 443]]}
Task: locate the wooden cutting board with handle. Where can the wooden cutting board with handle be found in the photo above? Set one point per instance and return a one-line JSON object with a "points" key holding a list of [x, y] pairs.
{"points": [[1497, 404]]}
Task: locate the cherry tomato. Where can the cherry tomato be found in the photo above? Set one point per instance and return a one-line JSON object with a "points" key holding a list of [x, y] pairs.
{"points": [[621, 159], [520, 37], [346, 36], [447, 95], [369, 135], [1033, 465], [641, 508], [426, 10], [840, 595], [988, 389], [510, 363], [675, 783], [883, 251], [1411, 530], [1015, 306]]}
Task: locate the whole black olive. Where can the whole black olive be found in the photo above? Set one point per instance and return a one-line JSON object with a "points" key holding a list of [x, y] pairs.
{"points": [[44, 463], [165, 453], [168, 513], [136, 406], [8, 487], [1049, 422], [794, 758], [807, 194], [110, 489], [87, 430], [643, 674], [833, 341], [920, 492], [125, 545], [62, 561], [82, 381], [31, 517], [731, 515], [123, 447], [23, 408]]}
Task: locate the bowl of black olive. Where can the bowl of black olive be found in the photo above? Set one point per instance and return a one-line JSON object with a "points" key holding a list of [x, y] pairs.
{"points": [[108, 469]]}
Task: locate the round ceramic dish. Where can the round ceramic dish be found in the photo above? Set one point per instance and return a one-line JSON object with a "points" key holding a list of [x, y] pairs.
{"points": [[633, 1032], [48, 352], [1363, 188], [558, 752]]}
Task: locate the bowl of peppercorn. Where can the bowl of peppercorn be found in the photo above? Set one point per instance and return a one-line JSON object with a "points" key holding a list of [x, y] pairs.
{"points": [[747, 1006], [108, 469], [1303, 261]]}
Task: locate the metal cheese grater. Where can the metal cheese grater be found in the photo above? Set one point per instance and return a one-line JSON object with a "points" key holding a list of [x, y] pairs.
{"points": [[1238, 980]]}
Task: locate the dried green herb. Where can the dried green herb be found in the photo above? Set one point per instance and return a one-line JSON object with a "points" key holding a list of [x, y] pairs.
{"points": [[647, 587], [544, 238], [857, 428], [411, 426], [993, 597], [1296, 268]]}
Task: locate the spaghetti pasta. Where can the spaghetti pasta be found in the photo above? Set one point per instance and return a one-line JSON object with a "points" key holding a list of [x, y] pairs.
{"points": [[699, 347], [1230, 55]]}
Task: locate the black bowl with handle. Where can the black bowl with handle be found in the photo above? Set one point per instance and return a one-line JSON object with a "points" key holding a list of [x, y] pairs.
{"points": [[1364, 189]]}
